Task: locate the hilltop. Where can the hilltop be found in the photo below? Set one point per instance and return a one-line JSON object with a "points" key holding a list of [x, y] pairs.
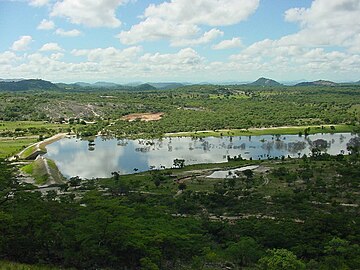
{"points": [[265, 82]]}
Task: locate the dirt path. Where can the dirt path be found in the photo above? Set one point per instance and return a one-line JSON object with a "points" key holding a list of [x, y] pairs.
{"points": [[50, 180], [91, 107]]}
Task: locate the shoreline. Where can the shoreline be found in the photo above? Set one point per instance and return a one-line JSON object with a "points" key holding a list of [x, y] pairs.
{"points": [[282, 130]]}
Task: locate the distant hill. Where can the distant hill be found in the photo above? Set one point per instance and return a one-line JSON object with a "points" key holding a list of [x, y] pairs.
{"points": [[265, 82], [11, 80], [143, 87], [25, 85], [83, 84], [317, 83], [170, 85], [106, 84]]}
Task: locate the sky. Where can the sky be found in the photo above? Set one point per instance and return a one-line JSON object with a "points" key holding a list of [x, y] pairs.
{"points": [[193, 41]]}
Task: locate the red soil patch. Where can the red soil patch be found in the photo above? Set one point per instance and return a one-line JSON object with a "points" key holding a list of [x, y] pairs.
{"points": [[143, 116]]}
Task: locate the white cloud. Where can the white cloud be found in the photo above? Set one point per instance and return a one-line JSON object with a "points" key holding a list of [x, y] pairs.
{"points": [[109, 55], [56, 56], [181, 19], [38, 3], [50, 47], [205, 12], [46, 25], [99, 13], [325, 23], [228, 44], [22, 43], [154, 29], [310, 52], [205, 38], [70, 33], [185, 57], [7, 58]]}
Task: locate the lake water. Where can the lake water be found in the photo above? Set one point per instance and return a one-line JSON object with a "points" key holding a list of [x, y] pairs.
{"points": [[75, 157]]}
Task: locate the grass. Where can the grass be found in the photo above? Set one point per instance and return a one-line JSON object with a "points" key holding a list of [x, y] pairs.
{"points": [[37, 170], [55, 172], [28, 152], [16, 135], [10, 146], [265, 131], [12, 125]]}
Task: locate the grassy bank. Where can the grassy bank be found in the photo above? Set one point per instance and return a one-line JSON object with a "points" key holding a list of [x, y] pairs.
{"points": [[286, 130]]}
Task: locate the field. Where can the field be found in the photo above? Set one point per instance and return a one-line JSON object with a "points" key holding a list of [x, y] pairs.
{"points": [[12, 146]]}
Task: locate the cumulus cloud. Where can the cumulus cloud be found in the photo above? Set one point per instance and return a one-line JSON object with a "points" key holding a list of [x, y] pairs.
{"points": [[109, 55], [70, 33], [7, 57], [46, 25], [22, 43], [38, 3], [185, 58], [205, 38], [154, 29], [325, 23], [50, 47], [205, 12], [228, 44], [100, 13], [181, 19]]}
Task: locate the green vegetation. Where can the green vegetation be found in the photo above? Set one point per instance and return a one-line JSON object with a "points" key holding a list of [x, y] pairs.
{"points": [[286, 214], [16, 135], [192, 108], [37, 169], [267, 131], [11, 146]]}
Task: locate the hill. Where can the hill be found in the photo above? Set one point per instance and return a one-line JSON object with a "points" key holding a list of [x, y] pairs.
{"points": [[170, 85], [265, 82], [25, 85], [317, 83], [143, 87]]}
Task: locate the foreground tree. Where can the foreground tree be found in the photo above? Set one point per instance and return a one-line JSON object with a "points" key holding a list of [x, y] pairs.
{"points": [[244, 252], [281, 259]]}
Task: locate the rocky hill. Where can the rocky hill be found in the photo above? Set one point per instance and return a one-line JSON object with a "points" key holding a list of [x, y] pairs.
{"points": [[265, 82]]}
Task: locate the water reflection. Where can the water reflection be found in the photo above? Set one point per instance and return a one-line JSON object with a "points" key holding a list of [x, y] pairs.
{"points": [[75, 157]]}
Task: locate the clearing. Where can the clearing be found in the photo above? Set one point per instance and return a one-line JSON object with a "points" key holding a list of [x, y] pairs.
{"points": [[143, 116]]}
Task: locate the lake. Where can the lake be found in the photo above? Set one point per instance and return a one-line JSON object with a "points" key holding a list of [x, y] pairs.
{"points": [[76, 157]]}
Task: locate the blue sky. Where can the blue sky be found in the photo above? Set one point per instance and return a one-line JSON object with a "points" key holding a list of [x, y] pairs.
{"points": [[180, 40]]}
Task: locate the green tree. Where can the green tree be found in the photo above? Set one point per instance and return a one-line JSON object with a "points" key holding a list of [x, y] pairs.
{"points": [[182, 186], [280, 259], [244, 252], [179, 163]]}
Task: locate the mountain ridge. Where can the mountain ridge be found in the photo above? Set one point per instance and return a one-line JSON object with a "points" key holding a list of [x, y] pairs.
{"points": [[317, 83]]}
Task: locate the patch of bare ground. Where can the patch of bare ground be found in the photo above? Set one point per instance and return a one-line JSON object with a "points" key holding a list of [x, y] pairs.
{"points": [[143, 116]]}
